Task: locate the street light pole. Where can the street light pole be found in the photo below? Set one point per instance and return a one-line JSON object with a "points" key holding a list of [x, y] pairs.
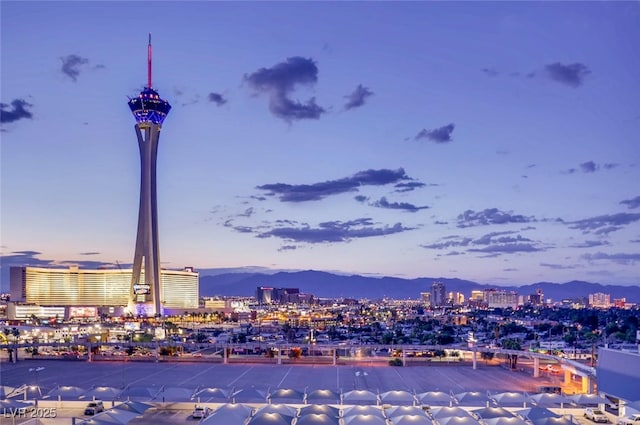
{"points": [[36, 370]]}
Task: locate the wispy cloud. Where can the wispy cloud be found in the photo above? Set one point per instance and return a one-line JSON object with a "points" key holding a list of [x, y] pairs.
{"points": [[494, 244], [217, 98], [488, 216], [408, 186], [403, 206], [280, 80], [572, 75], [631, 203], [604, 224], [591, 167], [327, 232], [73, 65], [449, 242], [490, 72], [358, 97], [589, 244], [557, 266], [619, 258], [19, 110], [437, 135], [316, 191], [508, 248], [287, 248]]}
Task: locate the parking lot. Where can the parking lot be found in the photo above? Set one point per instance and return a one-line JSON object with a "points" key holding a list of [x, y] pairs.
{"points": [[378, 379]]}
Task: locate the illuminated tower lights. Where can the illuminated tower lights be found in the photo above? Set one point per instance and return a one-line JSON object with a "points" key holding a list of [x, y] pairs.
{"points": [[149, 111]]}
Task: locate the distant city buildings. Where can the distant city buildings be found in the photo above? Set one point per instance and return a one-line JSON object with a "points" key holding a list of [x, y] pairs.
{"points": [[267, 295], [455, 298], [497, 298], [438, 294], [599, 300]]}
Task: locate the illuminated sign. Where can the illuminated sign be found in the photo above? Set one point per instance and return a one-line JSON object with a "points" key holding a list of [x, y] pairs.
{"points": [[141, 288], [83, 312], [132, 326]]}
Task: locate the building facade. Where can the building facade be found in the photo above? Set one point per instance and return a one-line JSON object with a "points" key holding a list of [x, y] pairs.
{"points": [[438, 294], [600, 300], [498, 298], [105, 288]]}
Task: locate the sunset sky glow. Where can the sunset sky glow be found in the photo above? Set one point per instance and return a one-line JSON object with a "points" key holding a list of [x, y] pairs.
{"points": [[490, 141]]}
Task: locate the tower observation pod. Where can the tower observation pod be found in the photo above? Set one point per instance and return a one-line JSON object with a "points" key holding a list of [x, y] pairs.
{"points": [[149, 111]]}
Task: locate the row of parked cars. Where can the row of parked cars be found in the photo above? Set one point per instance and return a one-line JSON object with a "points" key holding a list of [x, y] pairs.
{"points": [[597, 415]]}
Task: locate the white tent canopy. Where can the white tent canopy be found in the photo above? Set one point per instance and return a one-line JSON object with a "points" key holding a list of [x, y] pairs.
{"points": [[229, 414], [174, 394], [133, 406], [143, 393], [505, 421], [398, 398], [411, 420], [533, 413], [122, 416], [492, 412], [362, 410], [364, 420], [212, 395], [286, 395], [549, 399], [510, 398], [394, 411], [282, 409], [359, 397], [435, 398], [5, 391], [323, 396], [317, 419], [270, 419], [249, 395], [319, 409], [66, 392], [457, 420], [588, 399], [102, 393], [472, 398], [448, 412]]}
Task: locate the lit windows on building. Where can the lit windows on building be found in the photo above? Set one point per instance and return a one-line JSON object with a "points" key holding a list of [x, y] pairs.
{"points": [[83, 287]]}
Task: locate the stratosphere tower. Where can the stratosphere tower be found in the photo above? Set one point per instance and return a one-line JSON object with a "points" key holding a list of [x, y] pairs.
{"points": [[149, 111]]}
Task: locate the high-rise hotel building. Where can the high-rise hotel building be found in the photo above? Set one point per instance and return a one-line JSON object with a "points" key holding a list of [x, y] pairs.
{"points": [[100, 288]]}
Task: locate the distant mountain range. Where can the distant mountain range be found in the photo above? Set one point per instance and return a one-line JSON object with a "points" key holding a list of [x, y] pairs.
{"points": [[329, 285]]}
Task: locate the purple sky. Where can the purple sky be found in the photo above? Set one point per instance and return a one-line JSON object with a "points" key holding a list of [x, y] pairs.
{"points": [[496, 142]]}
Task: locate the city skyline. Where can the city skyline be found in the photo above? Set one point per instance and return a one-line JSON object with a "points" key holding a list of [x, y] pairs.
{"points": [[494, 142]]}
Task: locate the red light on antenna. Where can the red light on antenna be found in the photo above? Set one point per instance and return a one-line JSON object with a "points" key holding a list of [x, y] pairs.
{"points": [[149, 55]]}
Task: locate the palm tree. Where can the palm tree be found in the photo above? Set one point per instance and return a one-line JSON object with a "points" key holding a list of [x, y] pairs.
{"points": [[512, 344]]}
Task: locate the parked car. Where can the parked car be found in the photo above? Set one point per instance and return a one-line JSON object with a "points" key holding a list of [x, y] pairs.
{"points": [[596, 415], [630, 420], [200, 412], [94, 408]]}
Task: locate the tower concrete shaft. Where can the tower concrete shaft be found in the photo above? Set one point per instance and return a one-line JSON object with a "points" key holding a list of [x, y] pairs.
{"points": [[147, 243]]}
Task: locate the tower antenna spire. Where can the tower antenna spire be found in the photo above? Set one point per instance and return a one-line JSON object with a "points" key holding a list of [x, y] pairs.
{"points": [[149, 53]]}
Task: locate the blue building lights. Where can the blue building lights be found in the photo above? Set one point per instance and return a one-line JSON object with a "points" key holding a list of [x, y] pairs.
{"points": [[149, 108]]}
